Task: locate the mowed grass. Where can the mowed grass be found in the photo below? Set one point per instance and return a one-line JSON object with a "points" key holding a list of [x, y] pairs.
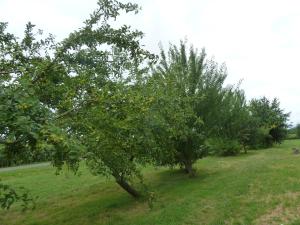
{"points": [[261, 187]]}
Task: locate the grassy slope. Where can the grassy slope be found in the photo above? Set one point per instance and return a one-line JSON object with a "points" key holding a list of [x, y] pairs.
{"points": [[262, 187]]}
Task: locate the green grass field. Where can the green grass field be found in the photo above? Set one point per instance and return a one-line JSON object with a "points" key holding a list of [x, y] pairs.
{"points": [[262, 187]]}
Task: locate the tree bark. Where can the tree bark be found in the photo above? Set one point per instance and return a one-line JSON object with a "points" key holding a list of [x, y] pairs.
{"points": [[134, 193], [188, 168]]}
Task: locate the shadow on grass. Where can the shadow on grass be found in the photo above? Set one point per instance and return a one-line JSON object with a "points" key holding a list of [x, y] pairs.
{"points": [[109, 204], [85, 207]]}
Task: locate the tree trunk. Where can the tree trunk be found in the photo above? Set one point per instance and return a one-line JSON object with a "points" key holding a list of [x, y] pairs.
{"points": [[188, 168], [134, 193]]}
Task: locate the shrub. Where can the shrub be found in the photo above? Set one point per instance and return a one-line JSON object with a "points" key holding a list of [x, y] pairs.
{"points": [[223, 147]]}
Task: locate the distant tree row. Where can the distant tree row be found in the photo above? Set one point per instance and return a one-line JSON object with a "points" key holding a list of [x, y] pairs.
{"points": [[98, 96], [294, 132]]}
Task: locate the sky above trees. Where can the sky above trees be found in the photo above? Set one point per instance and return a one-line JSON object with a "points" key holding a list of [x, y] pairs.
{"points": [[258, 40]]}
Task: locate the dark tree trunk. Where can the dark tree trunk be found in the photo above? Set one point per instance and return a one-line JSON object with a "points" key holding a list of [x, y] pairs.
{"points": [[188, 168], [126, 186]]}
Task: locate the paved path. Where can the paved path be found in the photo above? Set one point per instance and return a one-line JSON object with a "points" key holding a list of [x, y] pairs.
{"points": [[24, 167]]}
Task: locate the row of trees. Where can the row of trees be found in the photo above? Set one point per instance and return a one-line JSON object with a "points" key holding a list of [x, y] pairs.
{"points": [[98, 96], [294, 132]]}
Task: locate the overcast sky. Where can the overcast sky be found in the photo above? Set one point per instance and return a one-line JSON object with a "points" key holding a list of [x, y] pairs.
{"points": [[259, 40]]}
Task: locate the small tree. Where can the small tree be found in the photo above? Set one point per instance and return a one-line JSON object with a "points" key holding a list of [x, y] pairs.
{"points": [[190, 91], [270, 117], [233, 125], [176, 129]]}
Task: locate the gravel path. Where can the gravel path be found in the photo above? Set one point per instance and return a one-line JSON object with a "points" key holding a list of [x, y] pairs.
{"points": [[24, 167]]}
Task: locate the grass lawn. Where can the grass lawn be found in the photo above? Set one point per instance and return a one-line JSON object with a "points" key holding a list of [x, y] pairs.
{"points": [[262, 187]]}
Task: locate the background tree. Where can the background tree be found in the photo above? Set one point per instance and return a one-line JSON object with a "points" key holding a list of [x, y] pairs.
{"points": [[176, 128], [192, 89], [271, 119], [298, 130], [232, 126]]}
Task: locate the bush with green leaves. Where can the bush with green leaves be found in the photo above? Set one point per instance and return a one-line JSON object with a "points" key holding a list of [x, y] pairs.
{"points": [[11, 195], [233, 125], [223, 147]]}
